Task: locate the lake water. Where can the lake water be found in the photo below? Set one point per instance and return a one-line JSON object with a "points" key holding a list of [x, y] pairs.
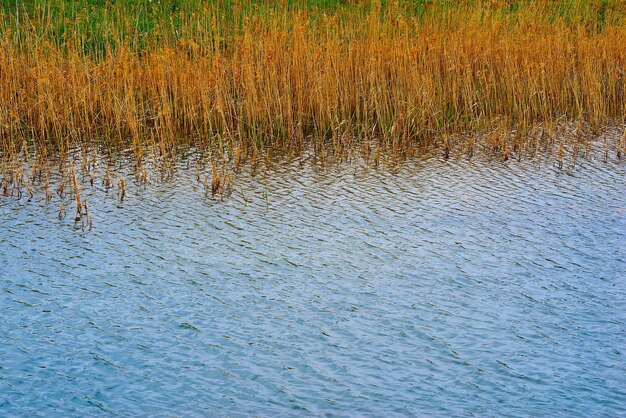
{"points": [[436, 288]]}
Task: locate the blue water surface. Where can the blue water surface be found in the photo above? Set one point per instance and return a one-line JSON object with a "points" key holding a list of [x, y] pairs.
{"points": [[439, 288]]}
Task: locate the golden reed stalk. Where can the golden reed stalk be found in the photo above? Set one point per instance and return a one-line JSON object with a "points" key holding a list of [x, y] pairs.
{"points": [[288, 78]]}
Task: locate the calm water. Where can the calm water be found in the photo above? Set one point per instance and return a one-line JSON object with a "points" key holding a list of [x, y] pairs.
{"points": [[440, 288]]}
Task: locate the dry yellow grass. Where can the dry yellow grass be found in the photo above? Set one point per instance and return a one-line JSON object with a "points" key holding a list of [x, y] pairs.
{"points": [[289, 79]]}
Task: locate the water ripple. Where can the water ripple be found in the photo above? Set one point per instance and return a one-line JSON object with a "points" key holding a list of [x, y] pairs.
{"points": [[439, 288]]}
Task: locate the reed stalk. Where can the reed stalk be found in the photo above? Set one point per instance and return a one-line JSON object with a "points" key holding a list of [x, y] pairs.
{"points": [[242, 76]]}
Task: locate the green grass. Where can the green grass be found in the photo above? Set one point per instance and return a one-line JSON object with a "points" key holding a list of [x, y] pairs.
{"points": [[101, 25]]}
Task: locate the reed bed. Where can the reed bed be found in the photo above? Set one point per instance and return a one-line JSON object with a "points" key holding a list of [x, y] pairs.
{"points": [[239, 78]]}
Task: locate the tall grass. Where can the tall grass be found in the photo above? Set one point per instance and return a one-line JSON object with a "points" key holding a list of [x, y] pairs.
{"points": [[242, 76]]}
